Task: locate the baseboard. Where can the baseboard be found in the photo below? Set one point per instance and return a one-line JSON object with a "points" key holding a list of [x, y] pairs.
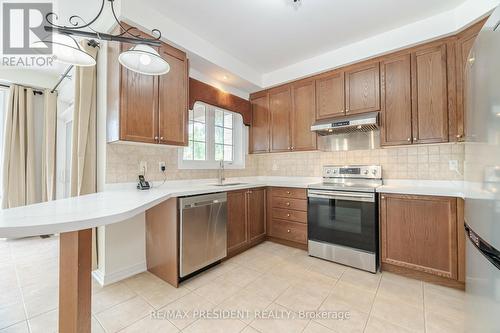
{"points": [[287, 243], [106, 279]]}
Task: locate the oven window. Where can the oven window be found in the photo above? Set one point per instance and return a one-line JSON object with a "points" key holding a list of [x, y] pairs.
{"points": [[343, 222]]}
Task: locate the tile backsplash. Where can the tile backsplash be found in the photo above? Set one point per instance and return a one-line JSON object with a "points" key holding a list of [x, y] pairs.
{"points": [[413, 162]]}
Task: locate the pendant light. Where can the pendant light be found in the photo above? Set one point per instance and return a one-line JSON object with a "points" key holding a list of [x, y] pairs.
{"points": [[66, 50], [144, 59]]}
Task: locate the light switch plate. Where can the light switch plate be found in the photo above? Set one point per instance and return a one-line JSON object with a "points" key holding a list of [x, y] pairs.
{"points": [[162, 165]]}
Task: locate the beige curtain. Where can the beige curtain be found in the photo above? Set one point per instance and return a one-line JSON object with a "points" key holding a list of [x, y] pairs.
{"points": [[84, 141], [49, 146], [19, 150]]}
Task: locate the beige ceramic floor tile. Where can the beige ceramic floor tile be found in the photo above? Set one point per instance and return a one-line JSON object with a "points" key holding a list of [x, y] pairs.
{"points": [[314, 327], [150, 325], [361, 279], [190, 305], [217, 291], [282, 321], [377, 325], [249, 329], [96, 326], [110, 296], [359, 298], [345, 317], [11, 313], [438, 323], [215, 326], [45, 323], [408, 293], [398, 312], [264, 263], [304, 296], [21, 327], [39, 301], [245, 301], [240, 276], [269, 286], [448, 303], [123, 314], [208, 276]]}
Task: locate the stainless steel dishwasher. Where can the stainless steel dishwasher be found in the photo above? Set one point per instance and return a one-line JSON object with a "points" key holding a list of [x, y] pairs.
{"points": [[203, 222]]}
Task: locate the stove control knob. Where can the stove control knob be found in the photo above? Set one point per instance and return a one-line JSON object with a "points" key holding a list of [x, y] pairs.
{"points": [[365, 172], [374, 171], [334, 171]]}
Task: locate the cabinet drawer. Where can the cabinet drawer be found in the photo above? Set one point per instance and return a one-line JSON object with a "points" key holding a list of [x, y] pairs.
{"points": [[290, 215], [292, 231], [296, 204], [296, 193]]}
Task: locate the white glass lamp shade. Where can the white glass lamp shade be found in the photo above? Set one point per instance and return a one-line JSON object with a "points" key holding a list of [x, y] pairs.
{"points": [[145, 60], [66, 50]]}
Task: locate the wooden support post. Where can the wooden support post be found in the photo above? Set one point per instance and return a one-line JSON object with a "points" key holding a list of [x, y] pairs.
{"points": [[75, 284]]}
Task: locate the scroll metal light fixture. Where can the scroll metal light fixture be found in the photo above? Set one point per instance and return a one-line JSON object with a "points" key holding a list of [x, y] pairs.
{"points": [[141, 58]]}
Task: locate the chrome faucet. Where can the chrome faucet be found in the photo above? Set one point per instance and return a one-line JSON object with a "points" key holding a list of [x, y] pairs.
{"points": [[221, 172]]}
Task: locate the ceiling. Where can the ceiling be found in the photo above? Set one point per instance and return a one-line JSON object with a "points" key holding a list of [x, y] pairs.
{"points": [[270, 34]]}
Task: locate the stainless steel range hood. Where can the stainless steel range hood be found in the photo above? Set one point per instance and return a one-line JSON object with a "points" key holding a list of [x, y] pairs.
{"points": [[357, 123]]}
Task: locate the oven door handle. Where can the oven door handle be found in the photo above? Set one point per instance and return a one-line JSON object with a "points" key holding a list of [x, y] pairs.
{"points": [[351, 196]]}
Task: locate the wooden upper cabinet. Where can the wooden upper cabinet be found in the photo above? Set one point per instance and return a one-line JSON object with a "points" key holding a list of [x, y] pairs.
{"points": [[330, 100], [259, 131], [420, 232], [173, 98], [396, 119], [138, 105], [303, 115], [146, 108], [256, 207], [430, 95], [237, 228], [362, 89], [280, 105]]}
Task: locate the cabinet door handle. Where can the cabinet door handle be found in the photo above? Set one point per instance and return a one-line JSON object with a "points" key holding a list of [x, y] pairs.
{"points": [[288, 231], [161, 138], [288, 204], [409, 139], [156, 138], [383, 197], [288, 215], [414, 139], [287, 192]]}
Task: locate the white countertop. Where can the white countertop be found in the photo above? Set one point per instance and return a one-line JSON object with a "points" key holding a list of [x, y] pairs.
{"points": [[122, 201], [117, 203], [423, 187]]}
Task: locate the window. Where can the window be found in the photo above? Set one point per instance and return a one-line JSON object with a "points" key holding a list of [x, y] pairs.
{"points": [[215, 135]]}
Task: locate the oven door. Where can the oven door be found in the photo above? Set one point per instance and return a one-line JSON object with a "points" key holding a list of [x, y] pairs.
{"points": [[343, 218]]}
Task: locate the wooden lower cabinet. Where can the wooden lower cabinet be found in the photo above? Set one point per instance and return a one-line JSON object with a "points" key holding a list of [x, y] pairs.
{"points": [[287, 215], [246, 219], [421, 233]]}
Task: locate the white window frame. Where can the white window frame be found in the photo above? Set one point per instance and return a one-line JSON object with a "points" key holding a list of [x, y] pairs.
{"points": [[240, 144]]}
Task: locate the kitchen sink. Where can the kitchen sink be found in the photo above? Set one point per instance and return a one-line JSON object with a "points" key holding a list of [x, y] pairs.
{"points": [[228, 184]]}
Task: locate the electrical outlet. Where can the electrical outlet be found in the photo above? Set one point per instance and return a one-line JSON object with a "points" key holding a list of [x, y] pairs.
{"points": [[162, 166], [453, 165], [143, 167]]}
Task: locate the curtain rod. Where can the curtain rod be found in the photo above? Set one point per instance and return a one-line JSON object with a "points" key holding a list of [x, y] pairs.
{"points": [[35, 91], [65, 75]]}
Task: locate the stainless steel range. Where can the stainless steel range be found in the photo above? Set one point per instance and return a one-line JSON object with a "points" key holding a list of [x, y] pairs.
{"points": [[343, 216]]}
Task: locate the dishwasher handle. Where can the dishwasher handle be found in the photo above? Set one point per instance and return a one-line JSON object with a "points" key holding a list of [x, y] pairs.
{"points": [[203, 203]]}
